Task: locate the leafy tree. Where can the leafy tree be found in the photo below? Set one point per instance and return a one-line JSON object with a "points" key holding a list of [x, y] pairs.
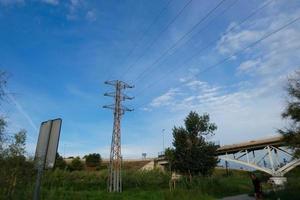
{"points": [[3, 83], [60, 163], [192, 155], [169, 155], [93, 160], [76, 164], [17, 148], [292, 112], [15, 170], [2, 136]]}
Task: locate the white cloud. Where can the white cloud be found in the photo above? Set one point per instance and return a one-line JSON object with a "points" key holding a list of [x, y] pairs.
{"points": [[251, 109], [195, 84], [275, 55], [249, 65], [165, 99], [236, 40], [91, 15], [73, 7], [78, 9]]}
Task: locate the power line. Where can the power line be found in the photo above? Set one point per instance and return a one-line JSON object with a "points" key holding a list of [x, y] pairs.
{"points": [[172, 70], [182, 38], [142, 36], [249, 46], [245, 48], [156, 38]]}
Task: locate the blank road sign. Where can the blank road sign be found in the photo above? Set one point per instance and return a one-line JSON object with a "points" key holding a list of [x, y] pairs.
{"points": [[47, 143]]}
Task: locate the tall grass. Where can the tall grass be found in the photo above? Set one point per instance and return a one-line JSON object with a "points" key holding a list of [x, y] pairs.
{"points": [[154, 184], [218, 186]]}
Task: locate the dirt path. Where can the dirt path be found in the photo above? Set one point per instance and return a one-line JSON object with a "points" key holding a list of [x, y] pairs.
{"points": [[239, 197]]}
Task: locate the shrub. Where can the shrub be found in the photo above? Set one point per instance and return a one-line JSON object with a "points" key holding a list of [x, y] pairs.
{"points": [[93, 160], [60, 163], [76, 164]]}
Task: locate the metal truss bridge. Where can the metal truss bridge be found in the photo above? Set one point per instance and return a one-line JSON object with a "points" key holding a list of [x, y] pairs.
{"points": [[267, 155]]}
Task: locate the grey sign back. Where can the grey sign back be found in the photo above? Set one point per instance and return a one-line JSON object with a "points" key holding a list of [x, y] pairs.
{"points": [[47, 145]]}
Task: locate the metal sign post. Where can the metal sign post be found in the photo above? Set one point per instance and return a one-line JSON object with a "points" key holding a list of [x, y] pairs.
{"points": [[46, 150]]}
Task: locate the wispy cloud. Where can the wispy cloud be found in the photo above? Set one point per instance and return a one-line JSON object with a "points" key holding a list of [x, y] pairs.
{"points": [[91, 15], [165, 99], [22, 111], [274, 55], [235, 108]]}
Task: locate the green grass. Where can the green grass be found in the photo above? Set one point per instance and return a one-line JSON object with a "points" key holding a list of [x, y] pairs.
{"points": [[154, 185], [63, 194], [148, 185]]}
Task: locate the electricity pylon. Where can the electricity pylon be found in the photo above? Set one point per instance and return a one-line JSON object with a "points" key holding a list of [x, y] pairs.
{"points": [[115, 180]]}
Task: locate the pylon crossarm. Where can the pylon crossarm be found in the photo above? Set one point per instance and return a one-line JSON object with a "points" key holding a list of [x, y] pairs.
{"points": [[113, 82], [126, 85], [109, 106], [110, 94], [124, 97]]}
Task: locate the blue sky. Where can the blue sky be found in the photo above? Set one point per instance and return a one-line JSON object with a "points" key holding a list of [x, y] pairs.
{"points": [[59, 53]]}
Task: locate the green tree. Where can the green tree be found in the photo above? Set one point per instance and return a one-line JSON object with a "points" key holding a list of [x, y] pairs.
{"points": [[2, 136], [60, 163], [76, 164], [192, 155], [3, 83], [292, 112], [93, 160], [169, 155], [15, 170], [17, 147]]}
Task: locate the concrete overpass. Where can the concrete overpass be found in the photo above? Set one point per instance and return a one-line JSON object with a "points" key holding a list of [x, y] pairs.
{"points": [[251, 145]]}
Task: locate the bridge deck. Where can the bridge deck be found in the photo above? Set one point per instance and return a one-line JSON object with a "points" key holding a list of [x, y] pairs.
{"points": [[251, 145]]}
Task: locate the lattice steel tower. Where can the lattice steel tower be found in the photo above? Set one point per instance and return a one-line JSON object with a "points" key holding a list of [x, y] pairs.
{"points": [[115, 180]]}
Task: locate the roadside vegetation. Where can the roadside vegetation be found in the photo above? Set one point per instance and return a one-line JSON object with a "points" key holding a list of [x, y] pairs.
{"points": [[63, 184]]}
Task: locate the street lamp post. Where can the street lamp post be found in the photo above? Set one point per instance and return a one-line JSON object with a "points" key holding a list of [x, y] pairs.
{"points": [[163, 133]]}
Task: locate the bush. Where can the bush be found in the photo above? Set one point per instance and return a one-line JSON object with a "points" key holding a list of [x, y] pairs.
{"points": [[76, 164], [15, 174], [93, 160], [60, 163]]}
